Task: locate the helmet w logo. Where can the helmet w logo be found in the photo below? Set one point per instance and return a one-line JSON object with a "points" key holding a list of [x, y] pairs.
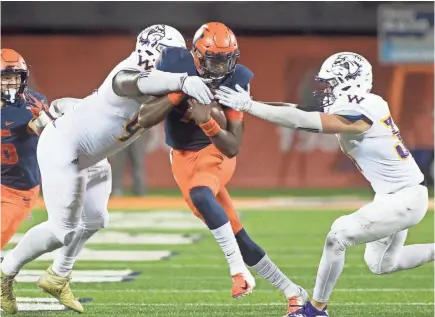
{"points": [[355, 99]]}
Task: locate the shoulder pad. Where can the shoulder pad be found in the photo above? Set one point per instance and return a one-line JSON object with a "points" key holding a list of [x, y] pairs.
{"points": [[354, 105], [242, 77]]}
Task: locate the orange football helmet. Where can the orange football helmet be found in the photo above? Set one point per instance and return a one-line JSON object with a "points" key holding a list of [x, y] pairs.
{"points": [[13, 63], [215, 51]]}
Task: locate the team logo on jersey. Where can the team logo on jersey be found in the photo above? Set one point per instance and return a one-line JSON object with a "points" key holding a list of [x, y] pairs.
{"points": [[152, 36]]}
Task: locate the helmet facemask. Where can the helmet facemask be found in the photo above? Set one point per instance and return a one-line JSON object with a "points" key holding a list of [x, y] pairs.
{"points": [[216, 66], [13, 84], [325, 94]]}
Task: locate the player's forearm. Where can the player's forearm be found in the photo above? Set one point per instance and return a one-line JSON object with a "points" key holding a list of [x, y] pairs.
{"points": [[279, 104], [152, 113], [227, 143], [289, 117], [135, 84]]}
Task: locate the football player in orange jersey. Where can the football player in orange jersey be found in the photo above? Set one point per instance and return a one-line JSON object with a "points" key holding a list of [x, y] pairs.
{"points": [[203, 154], [22, 120]]}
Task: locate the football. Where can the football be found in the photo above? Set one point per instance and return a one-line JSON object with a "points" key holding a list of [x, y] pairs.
{"points": [[218, 114]]}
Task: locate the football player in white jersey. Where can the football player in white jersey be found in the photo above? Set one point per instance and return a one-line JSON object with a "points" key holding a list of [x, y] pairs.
{"points": [[70, 152], [367, 134]]}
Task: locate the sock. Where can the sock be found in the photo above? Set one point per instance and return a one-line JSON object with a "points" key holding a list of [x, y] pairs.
{"points": [[204, 201], [330, 268], [217, 221], [67, 256], [225, 238], [270, 272], [37, 241], [415, 255]]}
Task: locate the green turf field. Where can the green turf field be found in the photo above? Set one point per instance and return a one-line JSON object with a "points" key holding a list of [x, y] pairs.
{"points": [[194, 281]]}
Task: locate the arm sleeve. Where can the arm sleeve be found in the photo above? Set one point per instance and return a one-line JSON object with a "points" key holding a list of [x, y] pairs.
{"points": [[289, 117], [163, 79]]}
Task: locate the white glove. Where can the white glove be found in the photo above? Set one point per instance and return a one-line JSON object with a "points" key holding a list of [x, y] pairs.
{"points": [[196, 87], [238, 100]]}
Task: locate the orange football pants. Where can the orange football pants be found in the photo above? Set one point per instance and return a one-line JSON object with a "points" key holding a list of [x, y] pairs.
{"points": [[210, 168], [15, 207]]}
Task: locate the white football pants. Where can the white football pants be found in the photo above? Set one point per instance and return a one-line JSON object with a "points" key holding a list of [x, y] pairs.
{"points": [[382, 225]]}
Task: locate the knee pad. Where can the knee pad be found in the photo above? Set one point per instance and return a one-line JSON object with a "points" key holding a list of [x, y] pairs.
{"points": [[204, 201], [200, 196], [251, 252], [99, 220]]}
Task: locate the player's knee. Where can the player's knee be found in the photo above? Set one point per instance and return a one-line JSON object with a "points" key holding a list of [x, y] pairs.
{"points": [[251, 252], [378, 265], [64, 235], [99, 220], [337, 240], [201, 197], [211, 211]]}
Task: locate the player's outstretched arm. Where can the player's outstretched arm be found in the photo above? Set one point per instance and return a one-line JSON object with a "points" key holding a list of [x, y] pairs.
{"points": [[308, 108], [139, 85], [289, 117], [279, 104], [227, 140]]}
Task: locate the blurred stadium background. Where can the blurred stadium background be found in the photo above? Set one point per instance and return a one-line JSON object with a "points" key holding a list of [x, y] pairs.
{"points": [[72, 46]]}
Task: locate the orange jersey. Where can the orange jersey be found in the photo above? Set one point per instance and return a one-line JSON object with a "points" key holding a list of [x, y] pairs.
{"points": [[181, 132]]}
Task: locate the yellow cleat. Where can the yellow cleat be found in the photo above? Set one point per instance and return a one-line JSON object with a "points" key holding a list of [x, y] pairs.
{"points": [[58, 287], [8, 301]]}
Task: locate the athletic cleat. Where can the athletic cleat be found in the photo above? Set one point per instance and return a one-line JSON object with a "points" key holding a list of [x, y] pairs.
{"points": [[59, 288], [8, 301], [243, 284], [309, 311], [295, 303]]}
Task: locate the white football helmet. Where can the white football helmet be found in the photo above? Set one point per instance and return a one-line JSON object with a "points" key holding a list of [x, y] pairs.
{"points": [[343, 72], [156, 37]]}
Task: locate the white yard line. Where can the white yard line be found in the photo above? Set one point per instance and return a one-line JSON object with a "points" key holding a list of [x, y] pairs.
{"points": [[178, 291], [308, 277], [222, 266], [256, 304]]}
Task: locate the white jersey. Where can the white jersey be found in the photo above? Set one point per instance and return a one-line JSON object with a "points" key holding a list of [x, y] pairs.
{"points": [[379, 153], [103, 123]]}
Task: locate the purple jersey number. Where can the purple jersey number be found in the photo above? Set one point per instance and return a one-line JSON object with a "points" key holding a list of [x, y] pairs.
{"points": [[400, 147]]}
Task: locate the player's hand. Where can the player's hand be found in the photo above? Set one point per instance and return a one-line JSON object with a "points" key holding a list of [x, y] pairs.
{"points": [[198, 112], [238, 99], [196, 87], [35, 111]]}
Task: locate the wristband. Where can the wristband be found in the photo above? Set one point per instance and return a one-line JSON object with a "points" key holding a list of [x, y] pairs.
{"points": [[176, 97], [210, 128]]}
